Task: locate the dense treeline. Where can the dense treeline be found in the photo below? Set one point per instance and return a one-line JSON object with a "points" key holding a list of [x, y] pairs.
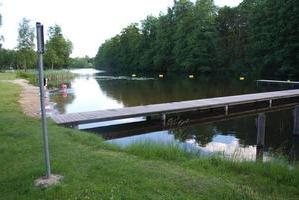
{"points": [[257, 38], [81, 62], [57, 50]]}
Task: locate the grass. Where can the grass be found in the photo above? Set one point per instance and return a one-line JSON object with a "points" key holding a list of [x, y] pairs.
{"points": [[7, 76], [156, 151], [92, 169], [55, 77]]}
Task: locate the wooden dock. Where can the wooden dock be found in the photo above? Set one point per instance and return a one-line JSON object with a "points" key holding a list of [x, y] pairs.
{"points": [[277, 82], [226, 104]]}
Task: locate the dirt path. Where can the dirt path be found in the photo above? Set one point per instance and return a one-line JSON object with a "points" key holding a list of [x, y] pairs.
{"points": [[29, 100]]}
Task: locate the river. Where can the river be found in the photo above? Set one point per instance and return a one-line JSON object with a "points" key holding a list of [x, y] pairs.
{"points": [[95, 90]]}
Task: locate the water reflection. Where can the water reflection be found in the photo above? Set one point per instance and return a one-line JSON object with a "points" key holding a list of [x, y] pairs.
{"points": [[228, 146], [236, 138], [233, 138], [85, 95], [134, 93]]}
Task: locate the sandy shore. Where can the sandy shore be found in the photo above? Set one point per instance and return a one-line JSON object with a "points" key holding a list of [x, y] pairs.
{"points": [[29, 98]]}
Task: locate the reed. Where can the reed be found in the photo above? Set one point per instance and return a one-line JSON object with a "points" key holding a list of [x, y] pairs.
{"points": [[55, 77]]}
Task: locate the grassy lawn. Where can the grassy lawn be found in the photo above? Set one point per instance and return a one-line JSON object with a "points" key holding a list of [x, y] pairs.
{"points": [[7, 76], [93, 169]]}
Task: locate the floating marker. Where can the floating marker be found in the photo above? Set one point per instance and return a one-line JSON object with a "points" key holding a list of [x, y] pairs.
{"points": [[191, 76], [242, 78], [133, 75], [289, 80], [161, 75]]}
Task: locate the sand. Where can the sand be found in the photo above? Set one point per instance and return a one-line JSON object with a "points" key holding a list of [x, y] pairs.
{"points": [[29, 98]]}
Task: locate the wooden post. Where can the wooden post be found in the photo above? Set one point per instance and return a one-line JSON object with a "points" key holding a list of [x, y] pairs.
{"points": [[270, 103], [261, 127], [296, 121], [164, 119], [226, 110]]}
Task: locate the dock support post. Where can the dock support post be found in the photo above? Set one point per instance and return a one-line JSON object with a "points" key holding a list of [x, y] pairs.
{"points": [[296, 121], [164, 119], [270, 103], [226, 110], [261, 127]]}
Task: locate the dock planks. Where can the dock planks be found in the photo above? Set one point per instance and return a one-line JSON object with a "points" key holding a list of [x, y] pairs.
{"points": [[170, 108], [277, 81]]}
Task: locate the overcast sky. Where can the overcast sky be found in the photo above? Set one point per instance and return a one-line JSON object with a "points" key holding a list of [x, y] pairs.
{"points": [[87, 23]]}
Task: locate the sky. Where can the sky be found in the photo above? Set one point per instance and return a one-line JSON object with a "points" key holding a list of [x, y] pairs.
{"points": [[87, 23]]}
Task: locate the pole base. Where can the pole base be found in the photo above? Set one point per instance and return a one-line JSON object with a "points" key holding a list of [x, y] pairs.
{"points": [[45, 182]]}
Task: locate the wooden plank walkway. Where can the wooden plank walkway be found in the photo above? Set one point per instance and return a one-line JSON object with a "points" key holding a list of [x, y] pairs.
{"points": [[170, 108], [277, 81]]}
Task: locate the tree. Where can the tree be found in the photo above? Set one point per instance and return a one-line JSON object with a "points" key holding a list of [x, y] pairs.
{"points": [[273, 37], [147, 43], [163, 44], [231, 40], [26, 56], [7, 59], [194, 48], [81, 62], [106, 58], [183, 12], [257, 38], [58, 49], [130, 46]]}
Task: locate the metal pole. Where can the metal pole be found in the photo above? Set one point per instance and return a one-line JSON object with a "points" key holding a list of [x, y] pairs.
{"points": [[40, 51]]}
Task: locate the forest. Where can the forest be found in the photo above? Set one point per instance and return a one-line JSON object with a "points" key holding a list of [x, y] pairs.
{"points": [[258, 38], [57, 54]]}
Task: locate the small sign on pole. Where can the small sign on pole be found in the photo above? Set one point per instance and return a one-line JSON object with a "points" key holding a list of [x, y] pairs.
{"points": [[40, 51], [49, 179]]}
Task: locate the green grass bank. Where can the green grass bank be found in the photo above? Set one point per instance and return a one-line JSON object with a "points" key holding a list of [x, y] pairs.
{"points": [[93, 169]]}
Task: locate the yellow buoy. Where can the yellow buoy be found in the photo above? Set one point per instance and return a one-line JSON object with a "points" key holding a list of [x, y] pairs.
{"points": [[289, 80], [133, 75], [161, 75], [191, 76], [242, 78]]}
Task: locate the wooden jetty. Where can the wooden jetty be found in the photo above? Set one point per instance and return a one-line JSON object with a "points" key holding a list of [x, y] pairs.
{"points": [[227, 105], [183, 121], [277, 82]]}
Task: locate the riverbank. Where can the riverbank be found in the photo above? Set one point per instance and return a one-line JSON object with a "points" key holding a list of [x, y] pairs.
{"points": [[96, 170], [29, 98]]}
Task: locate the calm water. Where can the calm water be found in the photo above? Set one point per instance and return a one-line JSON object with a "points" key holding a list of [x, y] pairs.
{"points": [[237, 137]]}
